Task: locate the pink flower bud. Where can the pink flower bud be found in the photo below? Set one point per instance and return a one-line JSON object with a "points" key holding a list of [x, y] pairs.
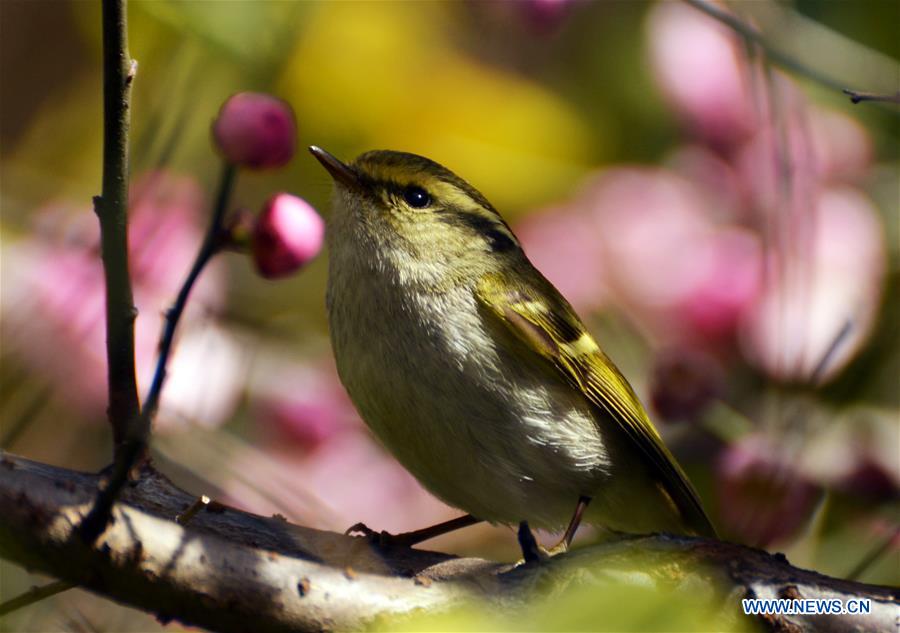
{"points": [[256, 130], [870, 480], [763, 496], [287, 235]]}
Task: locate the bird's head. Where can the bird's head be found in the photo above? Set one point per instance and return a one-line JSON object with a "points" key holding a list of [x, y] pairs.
{"points": [[415, 212]]}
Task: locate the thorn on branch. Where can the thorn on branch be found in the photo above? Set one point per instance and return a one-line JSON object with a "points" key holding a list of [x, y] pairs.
{"points": [[132, 71], [185, 517]]}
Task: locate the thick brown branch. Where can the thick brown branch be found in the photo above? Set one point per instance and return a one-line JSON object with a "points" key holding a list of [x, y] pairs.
{"points": [[232, 571]]}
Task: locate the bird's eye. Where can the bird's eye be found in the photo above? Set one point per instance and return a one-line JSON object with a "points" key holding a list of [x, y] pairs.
{"points": [[416, 197]]}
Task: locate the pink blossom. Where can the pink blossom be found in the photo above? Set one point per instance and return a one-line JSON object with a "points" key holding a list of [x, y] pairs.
{"points": [[684, 382], [728, 287], [842, 146], [54, 303], [822, 293], [715, 179], [545, 14], [347, 479], [676, 271], [854, 450], [779, 167], [650, 221], [288, 234], [699, 66], [869, 479], [563, 244], [316, 462], [256, 130], [303, 405], [763, 497]]}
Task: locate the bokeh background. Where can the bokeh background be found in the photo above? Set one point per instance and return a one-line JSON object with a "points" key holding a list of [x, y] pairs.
{"points": [[728, 230]]}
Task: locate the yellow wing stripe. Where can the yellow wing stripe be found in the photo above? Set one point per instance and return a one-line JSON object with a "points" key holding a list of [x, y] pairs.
{"points": [[555, 332]]}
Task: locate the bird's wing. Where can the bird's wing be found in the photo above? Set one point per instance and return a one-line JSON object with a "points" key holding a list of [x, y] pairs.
{"points": [[543, 319]]}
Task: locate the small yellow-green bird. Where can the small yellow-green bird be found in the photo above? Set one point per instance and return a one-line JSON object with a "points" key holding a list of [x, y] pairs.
{"points": [[473, 370]]}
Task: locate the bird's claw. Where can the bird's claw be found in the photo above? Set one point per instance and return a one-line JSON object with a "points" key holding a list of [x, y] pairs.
{"points": [[532, 551]]}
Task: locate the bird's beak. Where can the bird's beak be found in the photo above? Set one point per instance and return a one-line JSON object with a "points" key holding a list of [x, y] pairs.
{"points": [[338, 170]]}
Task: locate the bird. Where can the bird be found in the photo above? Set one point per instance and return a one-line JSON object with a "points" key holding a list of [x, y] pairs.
{"points": [[473, 370]]}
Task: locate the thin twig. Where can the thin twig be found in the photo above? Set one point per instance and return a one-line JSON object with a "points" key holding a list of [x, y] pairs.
{"points": [[111, 208], [827, 357], [35, 594], [209, 248], [874, 555], [752, 35], [857, 97]]}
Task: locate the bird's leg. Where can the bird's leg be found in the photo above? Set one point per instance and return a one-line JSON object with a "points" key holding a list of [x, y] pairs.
{"points": [[531, 551], [563, 545], [408, 539]]}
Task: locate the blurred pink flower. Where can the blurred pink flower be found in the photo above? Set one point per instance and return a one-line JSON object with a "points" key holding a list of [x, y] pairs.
{"points": [[364, 483], [545, 14], [316, 462], [651, 221], [563, 244], [778, 166], [302, 405], [347, 479], [854, 450], [729, 286], [677, 272], [842, 146], [764, 498], [647, 240], [700, 67], [715, 179], [822, 292], [313, 459], [288, 234], [543, 17], [684, 382], [54, 302], [256, 130], [869, 479]]}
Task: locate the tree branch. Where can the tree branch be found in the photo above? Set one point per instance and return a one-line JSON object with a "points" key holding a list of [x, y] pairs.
{"points": [[228, 570], [859, 97], [134, 446], [35, 594], [211, 243], [111, 208], [752, 35]]}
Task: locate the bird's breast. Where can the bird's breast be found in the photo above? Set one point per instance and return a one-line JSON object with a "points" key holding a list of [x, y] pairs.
{"points": [[477, 425]]}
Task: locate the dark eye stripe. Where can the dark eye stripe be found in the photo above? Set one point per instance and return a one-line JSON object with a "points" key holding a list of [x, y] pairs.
{"points": [[499, 242], [497, 235]]}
